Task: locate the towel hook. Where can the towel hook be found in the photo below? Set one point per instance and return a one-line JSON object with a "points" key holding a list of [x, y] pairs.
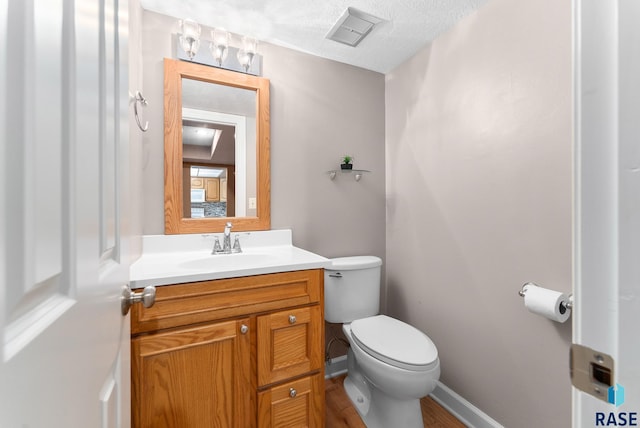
{"points": [[140, 99]]}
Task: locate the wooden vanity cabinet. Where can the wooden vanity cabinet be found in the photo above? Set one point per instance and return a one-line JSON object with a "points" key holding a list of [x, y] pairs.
{"points": [[241, 352]]}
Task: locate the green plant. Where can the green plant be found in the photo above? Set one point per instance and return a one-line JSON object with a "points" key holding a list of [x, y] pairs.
{"points": [[346, 159]]}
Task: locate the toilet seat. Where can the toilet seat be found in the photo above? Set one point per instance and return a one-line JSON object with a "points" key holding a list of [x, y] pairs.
{"points": [[395, 342]]}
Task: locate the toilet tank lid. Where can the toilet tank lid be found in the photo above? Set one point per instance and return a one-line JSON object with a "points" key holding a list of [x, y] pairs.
{"points": [[354, 262]]}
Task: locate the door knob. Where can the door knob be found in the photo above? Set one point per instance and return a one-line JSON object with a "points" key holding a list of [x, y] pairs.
{"points": [[147, 297]]}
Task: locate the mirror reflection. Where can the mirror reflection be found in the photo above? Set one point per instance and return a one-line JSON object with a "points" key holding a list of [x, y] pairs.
{"points": [[219, 146], [208, 195]]}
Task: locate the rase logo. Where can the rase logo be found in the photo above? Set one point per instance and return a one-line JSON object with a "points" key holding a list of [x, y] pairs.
{"points": [[615, 396]]}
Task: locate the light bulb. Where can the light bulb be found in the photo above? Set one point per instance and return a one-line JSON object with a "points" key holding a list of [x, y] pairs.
{"points": [[190, 37], [220, 45], [248, 52]]}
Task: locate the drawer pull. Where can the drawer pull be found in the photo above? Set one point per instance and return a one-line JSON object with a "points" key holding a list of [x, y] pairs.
{"points": [[292, 393], [292, 319], [244, 329]]}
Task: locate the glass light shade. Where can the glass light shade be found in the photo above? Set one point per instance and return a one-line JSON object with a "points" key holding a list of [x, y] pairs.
{"points": [[220, 44], [248, 51], [250, 44], [190, 37]]}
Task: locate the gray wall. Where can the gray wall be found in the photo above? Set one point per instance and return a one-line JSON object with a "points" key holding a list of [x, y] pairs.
{"points": [[479, 202], [320, 110]]}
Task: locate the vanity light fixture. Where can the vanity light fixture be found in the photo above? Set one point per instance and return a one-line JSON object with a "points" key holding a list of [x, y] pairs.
{"points": [[243, 59], [190, 37], [220, 45], [247, 52]]}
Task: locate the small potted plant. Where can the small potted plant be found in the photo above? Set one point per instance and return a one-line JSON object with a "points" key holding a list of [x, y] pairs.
{"points": [[346, 162]]}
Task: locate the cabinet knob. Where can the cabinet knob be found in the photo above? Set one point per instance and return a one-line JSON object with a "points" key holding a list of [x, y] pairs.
{"points": [[292, 393], [292, 319], [244, 329]]}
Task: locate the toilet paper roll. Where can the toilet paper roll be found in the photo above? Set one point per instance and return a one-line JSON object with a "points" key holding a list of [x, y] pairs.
{"points": [[545, 302]]}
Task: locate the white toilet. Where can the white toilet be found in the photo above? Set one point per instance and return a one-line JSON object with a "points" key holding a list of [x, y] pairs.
{"points": [[391, 365]]}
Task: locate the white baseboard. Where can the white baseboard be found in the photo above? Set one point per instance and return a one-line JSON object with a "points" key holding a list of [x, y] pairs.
{"points": [[466, 412], [335, 367]]}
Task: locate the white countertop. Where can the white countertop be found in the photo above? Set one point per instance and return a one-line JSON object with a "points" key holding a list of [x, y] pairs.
{"points": [[172, 259]]}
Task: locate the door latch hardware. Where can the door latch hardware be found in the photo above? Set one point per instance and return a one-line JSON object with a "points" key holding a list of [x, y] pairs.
{"points": [[591, 371]]}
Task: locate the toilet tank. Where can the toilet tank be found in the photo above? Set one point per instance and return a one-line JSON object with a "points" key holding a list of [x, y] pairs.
{"points": [[352, 288]]}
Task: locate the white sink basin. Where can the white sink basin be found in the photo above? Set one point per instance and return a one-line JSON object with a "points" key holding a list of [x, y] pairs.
{"points": [[229, 261], [172, 259]]}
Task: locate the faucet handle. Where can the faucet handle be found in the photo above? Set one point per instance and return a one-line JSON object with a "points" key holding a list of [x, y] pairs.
{"points": [[236, 245], [216, 247]]}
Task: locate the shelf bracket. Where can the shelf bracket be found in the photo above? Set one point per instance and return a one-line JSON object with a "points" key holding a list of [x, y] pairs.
{"points": [[357, 173]]}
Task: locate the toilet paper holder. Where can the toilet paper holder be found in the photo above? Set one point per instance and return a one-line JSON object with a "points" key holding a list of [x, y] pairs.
{"points": [[566, 305]]}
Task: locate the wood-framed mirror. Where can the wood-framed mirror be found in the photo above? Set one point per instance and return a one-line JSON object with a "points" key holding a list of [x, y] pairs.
{"points": [[216, 149]]}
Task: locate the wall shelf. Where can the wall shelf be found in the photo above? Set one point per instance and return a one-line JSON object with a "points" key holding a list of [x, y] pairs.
{"points": [[358, 173]]}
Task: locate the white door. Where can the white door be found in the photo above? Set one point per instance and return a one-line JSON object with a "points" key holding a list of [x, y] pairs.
{"points": [[607, 201], [64, 345]]}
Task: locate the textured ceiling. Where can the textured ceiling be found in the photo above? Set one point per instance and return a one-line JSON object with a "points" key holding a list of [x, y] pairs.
{"points": [[407, 25]]}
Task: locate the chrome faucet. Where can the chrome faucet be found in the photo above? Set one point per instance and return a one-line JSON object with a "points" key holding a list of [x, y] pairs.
{"points": [[226, 243], [226, 247]]}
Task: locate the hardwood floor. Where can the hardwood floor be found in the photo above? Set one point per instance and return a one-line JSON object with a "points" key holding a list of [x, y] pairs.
{"points": [[342, 414]]}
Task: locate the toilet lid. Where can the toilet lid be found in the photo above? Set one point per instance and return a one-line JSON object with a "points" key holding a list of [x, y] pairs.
{"points": [[394, 342]]}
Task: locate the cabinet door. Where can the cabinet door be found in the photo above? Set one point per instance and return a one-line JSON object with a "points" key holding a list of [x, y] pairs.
{"points": [[194, 377], [290, 343], [197, 183], [212, 189], [294, 404], [223, 190]]}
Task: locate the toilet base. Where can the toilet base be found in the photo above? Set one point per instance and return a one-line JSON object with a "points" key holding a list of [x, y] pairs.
{"points": [[378, 410], [360, 399]]}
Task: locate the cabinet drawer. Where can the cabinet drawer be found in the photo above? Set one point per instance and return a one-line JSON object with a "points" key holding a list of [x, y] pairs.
{"points": [[184, 304], [299, 403], [290, 343]]}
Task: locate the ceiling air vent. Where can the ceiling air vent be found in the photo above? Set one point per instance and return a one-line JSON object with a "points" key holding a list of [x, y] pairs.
{"points": [[352, 27]]}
